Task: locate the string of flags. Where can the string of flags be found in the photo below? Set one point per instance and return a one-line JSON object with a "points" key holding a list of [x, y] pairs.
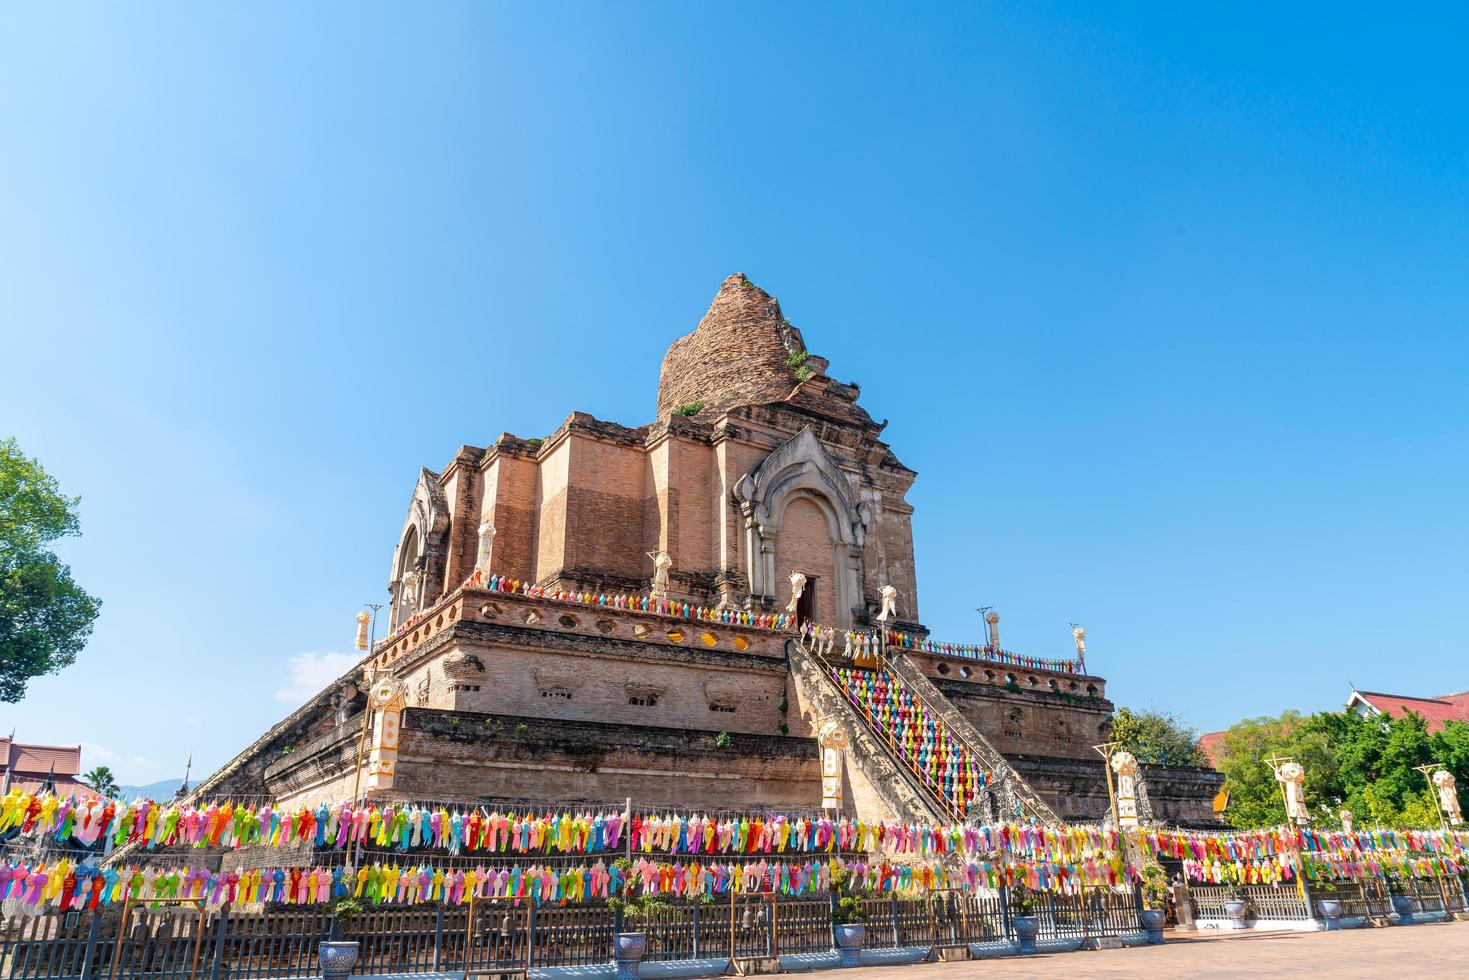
{"points": [[65, 886], [972, 651], [93, 821]]}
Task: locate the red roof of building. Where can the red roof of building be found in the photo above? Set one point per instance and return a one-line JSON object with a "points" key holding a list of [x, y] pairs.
{"points": [[29, 766], [1435, 711]]}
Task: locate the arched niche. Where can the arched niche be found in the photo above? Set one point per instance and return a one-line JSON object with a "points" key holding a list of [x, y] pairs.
{"points": [[802, 469], [417, 577]]}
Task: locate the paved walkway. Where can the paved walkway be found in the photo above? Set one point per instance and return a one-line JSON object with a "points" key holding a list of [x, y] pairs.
{"points": [[1440, 949]]}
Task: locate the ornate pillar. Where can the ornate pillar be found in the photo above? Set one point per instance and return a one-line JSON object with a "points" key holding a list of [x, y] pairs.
{"points": [[833, 743], [486, 540], [1124, 764], [387, 698]]}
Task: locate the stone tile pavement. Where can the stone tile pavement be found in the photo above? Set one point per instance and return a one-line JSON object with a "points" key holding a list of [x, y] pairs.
{"points": [[1435, 949]]}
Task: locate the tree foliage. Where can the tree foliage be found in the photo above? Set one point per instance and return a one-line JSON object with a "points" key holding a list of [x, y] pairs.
{"points": [[1362, 764], [45, 617], [1157, 738], [101, 780]]}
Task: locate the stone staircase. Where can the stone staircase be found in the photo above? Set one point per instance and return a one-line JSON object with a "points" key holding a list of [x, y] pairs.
{"points": [[1009, 787], [913, 781]]}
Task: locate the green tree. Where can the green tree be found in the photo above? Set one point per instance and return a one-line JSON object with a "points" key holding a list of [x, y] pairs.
{"points": [[101, 780], [45, 617], [1157, 738], [1254, 795], [1363, 764]]}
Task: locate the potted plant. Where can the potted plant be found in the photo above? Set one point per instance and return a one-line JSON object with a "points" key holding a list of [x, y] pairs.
{"points": [[1402, 902], [1023, 904], [848, 918], [1155, 903], [335, 956], [1329, 905], [629, 946], [1237, 906]]}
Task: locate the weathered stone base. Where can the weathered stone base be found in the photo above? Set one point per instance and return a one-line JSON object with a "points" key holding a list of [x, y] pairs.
{"points": [[463, 755]]}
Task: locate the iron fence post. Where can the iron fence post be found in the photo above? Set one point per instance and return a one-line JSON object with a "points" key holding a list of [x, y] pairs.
{"points": [[696, 932], [896, 937], [1005, 910], [831, 924], [93, 928], [770, 929], [222, 925], [530, 937], [438, 936]]}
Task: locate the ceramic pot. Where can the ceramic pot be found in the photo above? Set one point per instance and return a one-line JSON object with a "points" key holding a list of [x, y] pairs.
{"points": [[1236, 910], [1152, 922], [850, 936], [336, 959], [1026, 927], [1331, 912], [1403, 906], [629, 948]]}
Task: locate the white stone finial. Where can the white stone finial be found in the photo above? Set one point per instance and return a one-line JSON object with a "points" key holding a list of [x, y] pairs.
{"points": [[798, 586], [661, 565], [889, 604], [486, 539]]}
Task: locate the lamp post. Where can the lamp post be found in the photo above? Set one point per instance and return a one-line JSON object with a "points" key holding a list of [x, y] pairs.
{"points": [[1277, 764], [366, 716]]}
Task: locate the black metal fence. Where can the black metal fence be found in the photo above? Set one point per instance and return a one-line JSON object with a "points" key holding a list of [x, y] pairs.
{"points": [[278, 942]]}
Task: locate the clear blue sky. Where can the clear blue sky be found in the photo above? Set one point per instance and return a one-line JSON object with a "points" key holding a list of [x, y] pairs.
{"points": [[1168, 310]]}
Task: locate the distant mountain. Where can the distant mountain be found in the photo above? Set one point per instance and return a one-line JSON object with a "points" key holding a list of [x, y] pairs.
{"points": [[161, 790]]}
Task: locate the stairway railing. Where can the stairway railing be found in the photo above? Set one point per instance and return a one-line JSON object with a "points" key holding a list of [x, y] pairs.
{"points": [[989, 757], [932, 788]]}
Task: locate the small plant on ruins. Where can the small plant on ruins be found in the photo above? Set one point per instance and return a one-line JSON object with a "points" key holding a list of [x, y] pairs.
{"points": [[785, 729], [522, 728], [689, 410], [723, 741], [1013, 687], [784, 706], [846, 907], [796, 358], [803, 373]]}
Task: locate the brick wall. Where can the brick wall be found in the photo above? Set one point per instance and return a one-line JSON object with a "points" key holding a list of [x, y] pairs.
{"points": [[736, 356]]}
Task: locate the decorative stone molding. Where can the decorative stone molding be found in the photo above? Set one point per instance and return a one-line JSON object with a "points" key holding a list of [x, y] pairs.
{"points": [[418, 561], [723, 695], [462, 666], [798, 468], [553, 683], [643, 692], [387, 696]]}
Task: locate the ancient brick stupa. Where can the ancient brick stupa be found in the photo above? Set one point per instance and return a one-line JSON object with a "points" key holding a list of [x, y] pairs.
{"points": [[688, 613]]}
